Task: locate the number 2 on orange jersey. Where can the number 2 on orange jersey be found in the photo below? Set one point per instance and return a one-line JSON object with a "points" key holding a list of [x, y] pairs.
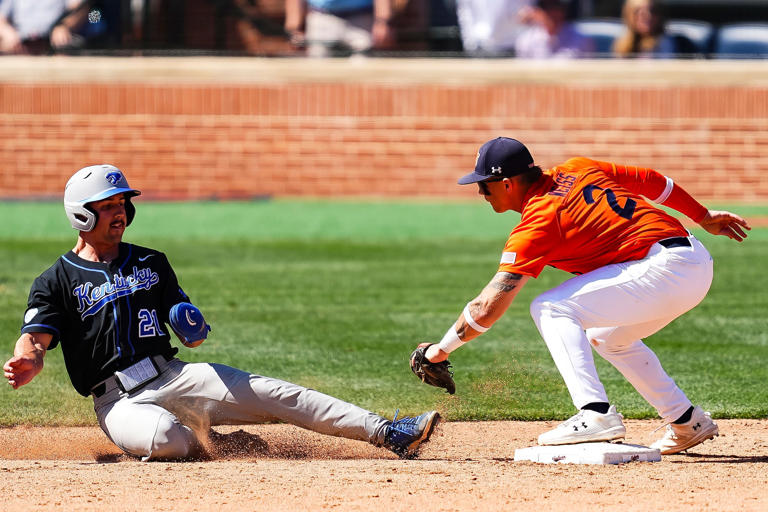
{"points": [[625, 211]]}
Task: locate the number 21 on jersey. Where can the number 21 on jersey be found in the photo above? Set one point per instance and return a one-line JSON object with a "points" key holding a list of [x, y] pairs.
{"points": [[148, 324]]}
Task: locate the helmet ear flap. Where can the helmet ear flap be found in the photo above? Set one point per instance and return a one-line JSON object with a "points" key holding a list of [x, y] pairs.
{"points": [[130, 211], [92, 217], [81, 217]]}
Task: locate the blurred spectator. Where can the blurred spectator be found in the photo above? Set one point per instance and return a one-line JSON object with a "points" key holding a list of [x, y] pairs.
{"points": [[491, 26], [37, 26], [645, 35], [104, 28], [551, 36], [331, 27]]}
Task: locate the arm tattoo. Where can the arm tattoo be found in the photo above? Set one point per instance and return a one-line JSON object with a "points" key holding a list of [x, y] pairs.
{"points": [[462, 331], [506, 281]]}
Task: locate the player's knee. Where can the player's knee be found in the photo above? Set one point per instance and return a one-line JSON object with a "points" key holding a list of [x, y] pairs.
{"points": [[604, 350], [539, 306], [172, 440], [607, 347], [549, 305]]}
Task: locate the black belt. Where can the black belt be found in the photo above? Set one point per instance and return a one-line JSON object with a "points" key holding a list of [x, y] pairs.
{"points": [[678, 241], [101, 388]]}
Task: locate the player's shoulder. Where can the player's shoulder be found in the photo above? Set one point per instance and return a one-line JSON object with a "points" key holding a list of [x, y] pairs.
{"points": [[50, 277], [52, 271], [578, 164], [557, 186], [141, 253], [543, 205]]}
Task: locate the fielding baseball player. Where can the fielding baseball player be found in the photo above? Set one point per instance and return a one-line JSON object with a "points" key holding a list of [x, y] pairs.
{"points": [[109, 304], [636, 268]]}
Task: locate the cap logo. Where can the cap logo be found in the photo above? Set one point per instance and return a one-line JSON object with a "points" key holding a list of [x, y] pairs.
{"points": [[114, 177], [496, 171]]}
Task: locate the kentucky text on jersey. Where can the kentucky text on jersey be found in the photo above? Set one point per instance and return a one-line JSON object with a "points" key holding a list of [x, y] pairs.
{"points": [[91, 299]]}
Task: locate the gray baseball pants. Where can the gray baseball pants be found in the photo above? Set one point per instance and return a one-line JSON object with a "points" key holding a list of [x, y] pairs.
{"points": [[165, 418]]}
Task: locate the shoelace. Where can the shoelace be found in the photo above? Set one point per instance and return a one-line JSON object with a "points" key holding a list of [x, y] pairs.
{"points": [[577, 417], [669, 434], [669, 424], [407, 420], [573, 419]]}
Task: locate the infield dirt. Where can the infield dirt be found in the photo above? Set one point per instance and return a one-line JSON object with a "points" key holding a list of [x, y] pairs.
{"points": [[467, 466]]}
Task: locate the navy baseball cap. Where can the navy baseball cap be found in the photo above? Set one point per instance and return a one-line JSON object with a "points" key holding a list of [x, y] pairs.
{"points": [[499, 158]]}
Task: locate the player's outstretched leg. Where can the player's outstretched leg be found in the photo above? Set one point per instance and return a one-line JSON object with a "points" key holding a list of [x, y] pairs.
{"points": [[405, 435], [586, 426], [679, 437]]}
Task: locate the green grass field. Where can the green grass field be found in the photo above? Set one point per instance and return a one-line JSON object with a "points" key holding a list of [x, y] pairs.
{"points": [[335, 295]]}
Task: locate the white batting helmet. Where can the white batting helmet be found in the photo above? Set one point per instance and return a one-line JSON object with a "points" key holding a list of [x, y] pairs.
{"points": [[95, 183]]}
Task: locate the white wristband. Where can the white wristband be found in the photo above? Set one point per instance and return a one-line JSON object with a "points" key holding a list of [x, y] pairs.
{"points": [[450, 341], [471, 321]]}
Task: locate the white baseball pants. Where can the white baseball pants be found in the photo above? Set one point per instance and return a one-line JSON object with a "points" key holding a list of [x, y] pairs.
{"points": [[612, 308], [166, 418]]}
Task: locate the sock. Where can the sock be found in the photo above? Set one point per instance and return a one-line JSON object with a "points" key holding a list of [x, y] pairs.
{"points": [[601, 407], [685, 418]]}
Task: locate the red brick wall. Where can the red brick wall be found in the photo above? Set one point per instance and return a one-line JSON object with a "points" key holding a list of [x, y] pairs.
{"points": [[354, 136]]}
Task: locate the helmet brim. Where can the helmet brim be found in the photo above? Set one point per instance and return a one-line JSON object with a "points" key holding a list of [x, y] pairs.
{"points": [[112, 192]]}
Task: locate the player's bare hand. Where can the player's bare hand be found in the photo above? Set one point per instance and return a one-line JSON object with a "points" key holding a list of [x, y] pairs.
{"points": [[19, 370], [726, 224]]}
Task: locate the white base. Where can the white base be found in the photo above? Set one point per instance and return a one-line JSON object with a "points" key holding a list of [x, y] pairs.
{"points": [[589, 453]]}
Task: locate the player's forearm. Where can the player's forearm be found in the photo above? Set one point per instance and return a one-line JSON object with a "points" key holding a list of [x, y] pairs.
{"points": [[34, 344], [490, 305], [479, 314], [683, 202]]}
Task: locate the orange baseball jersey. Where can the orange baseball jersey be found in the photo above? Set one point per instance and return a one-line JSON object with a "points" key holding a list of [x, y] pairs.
{"points": [[584, 214]]}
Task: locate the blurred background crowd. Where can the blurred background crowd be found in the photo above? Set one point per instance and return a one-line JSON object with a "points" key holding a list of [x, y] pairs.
{"points": [[527, 29]]}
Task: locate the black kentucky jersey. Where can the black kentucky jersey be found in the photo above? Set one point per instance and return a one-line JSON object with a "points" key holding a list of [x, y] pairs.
{"points": [[106, 316]]}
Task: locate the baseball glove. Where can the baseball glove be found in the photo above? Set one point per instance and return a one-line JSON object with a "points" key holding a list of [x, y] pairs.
{"points": [[434, 374]]}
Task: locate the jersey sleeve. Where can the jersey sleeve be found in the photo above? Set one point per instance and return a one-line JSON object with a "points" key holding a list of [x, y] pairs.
{"points": [[656, 187], [529, 246], [640, 180], [46, 311]]}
